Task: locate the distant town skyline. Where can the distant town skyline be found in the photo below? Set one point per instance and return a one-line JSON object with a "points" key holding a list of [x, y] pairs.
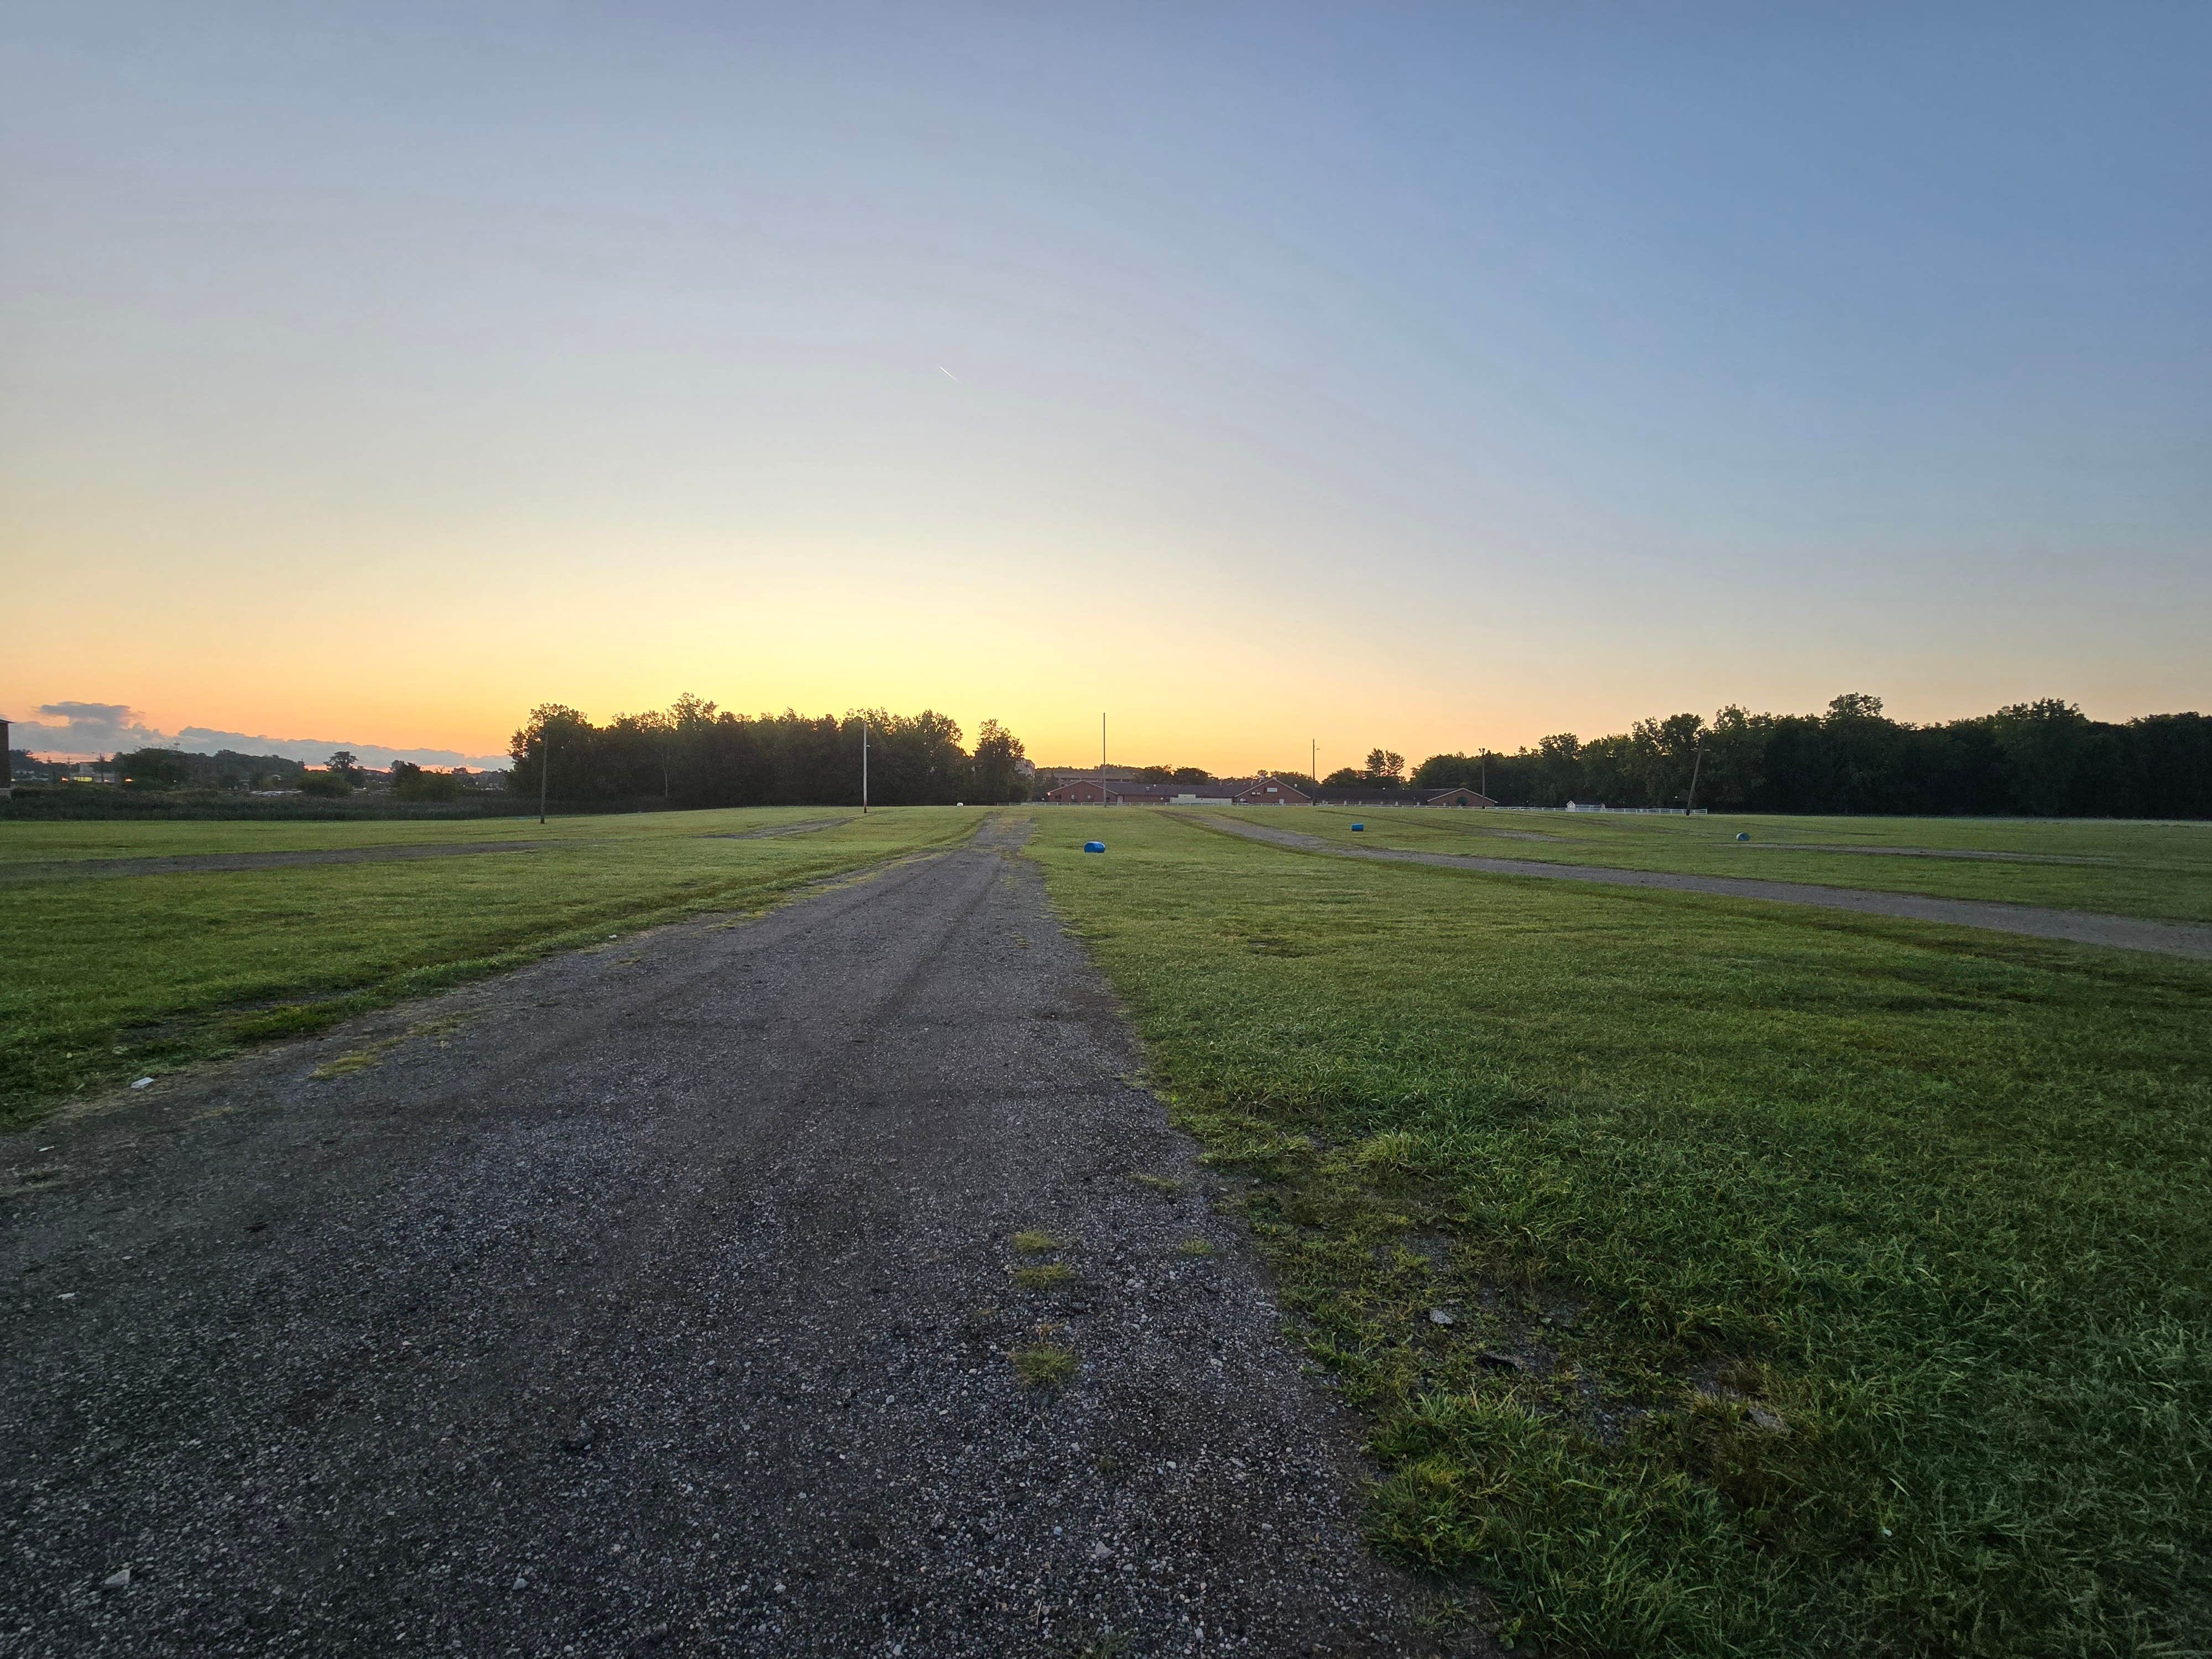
{"points": [[1437, 378]]}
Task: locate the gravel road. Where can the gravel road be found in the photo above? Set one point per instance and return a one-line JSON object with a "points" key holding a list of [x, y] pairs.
{"points": [[658, 1298], [2173, 938]]}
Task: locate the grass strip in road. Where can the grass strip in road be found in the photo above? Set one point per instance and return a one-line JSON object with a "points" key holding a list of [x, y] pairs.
{"points": [[2162, 871], [112, 978], [1717, 1278]]}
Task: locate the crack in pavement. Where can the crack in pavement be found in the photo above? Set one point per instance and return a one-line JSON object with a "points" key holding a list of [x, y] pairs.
{"points": [[659, 1298]]}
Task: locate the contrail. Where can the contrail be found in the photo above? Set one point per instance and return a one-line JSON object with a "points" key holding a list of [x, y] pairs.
{"points": [[946, 373]]}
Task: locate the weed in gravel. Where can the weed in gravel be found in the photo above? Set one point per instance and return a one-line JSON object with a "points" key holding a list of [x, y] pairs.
{"points": [[1044, 1277], [1030, 1241], [1165, 1186], [1108, 1643], [356, 1059], [1044, 1365], [1193, 1247], [361, 1058]]}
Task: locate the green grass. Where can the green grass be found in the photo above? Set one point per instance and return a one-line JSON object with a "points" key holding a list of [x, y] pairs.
{"points": [[2159, 870], [115, 977], [1816, 1283], [1044, 1365], [33, 841]]}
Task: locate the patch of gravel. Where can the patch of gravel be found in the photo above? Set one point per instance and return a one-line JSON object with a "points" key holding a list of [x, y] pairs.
{"points": [[2174, 939], [660, 1298]]}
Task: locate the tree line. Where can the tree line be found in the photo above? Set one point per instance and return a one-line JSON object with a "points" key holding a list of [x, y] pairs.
{"points": [[694, 754], [2043, 759]]}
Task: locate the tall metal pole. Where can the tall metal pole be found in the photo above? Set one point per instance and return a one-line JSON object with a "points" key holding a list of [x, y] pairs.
{"points": [[1697, 761], [544, 766], [1313, 758], [864, 766]]}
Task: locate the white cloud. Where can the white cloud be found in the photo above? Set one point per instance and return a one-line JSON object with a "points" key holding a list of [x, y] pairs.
{"points": [[86, 729]]}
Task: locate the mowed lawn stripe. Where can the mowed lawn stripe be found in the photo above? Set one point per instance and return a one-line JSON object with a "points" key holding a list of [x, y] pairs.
{"points": [[1719, 1279]]}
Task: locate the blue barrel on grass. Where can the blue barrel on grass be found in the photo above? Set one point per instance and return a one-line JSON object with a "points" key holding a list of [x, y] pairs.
{"points": [[1743, 834], [1094, 845], [1358, 826]]}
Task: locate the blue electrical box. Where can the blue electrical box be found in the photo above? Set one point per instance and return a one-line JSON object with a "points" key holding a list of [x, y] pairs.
{"points": [[1360, 826]]}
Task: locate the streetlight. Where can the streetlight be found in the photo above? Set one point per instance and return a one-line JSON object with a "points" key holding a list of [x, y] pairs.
{"points": [[544, 766], [864, 766]]}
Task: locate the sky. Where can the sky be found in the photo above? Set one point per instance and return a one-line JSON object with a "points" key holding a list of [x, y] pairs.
{"points": [[1427, 377]]}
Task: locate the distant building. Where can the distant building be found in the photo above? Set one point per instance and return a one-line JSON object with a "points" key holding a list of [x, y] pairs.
{"points": [[1221, 792], [1361, 795], [1271, 792]]}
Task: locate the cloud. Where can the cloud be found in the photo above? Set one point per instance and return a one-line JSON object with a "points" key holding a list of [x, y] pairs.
{"points": [[86, 729]]}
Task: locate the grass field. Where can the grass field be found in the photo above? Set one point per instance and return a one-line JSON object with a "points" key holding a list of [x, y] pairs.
{"points": [[1815, 1284], [112, 977], [2159, 870], [36, 842]]}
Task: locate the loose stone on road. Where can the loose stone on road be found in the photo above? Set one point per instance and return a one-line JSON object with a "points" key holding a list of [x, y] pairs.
{"points": [[661, 1298]]}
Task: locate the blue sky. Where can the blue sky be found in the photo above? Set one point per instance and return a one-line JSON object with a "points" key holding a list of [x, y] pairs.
{"points": [[1504, 369]]}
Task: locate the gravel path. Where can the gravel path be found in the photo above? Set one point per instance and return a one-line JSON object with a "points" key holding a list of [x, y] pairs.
{"points": [[658, 1298], [2173, 938]]}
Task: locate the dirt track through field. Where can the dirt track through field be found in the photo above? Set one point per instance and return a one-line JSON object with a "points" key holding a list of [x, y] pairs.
{"points": [[2073, 926], [658, 1298]]}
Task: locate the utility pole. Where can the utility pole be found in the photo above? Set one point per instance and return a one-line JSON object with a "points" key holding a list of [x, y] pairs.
{"points": [[1313, 758], [864, 766], [1697, 761], [544, 766]]}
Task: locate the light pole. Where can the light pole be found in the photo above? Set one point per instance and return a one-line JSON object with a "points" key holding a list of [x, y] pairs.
{"points": [[864, 766], [544, 766], [1698, 760]]}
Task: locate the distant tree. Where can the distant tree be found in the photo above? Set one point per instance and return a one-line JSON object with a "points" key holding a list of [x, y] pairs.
{"points": [[410, 782], [2046, 745], [329, 784], [1385, 768], [996, 778], [1190, 774], [1345, 777], [154, 768], [346, 767]]}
